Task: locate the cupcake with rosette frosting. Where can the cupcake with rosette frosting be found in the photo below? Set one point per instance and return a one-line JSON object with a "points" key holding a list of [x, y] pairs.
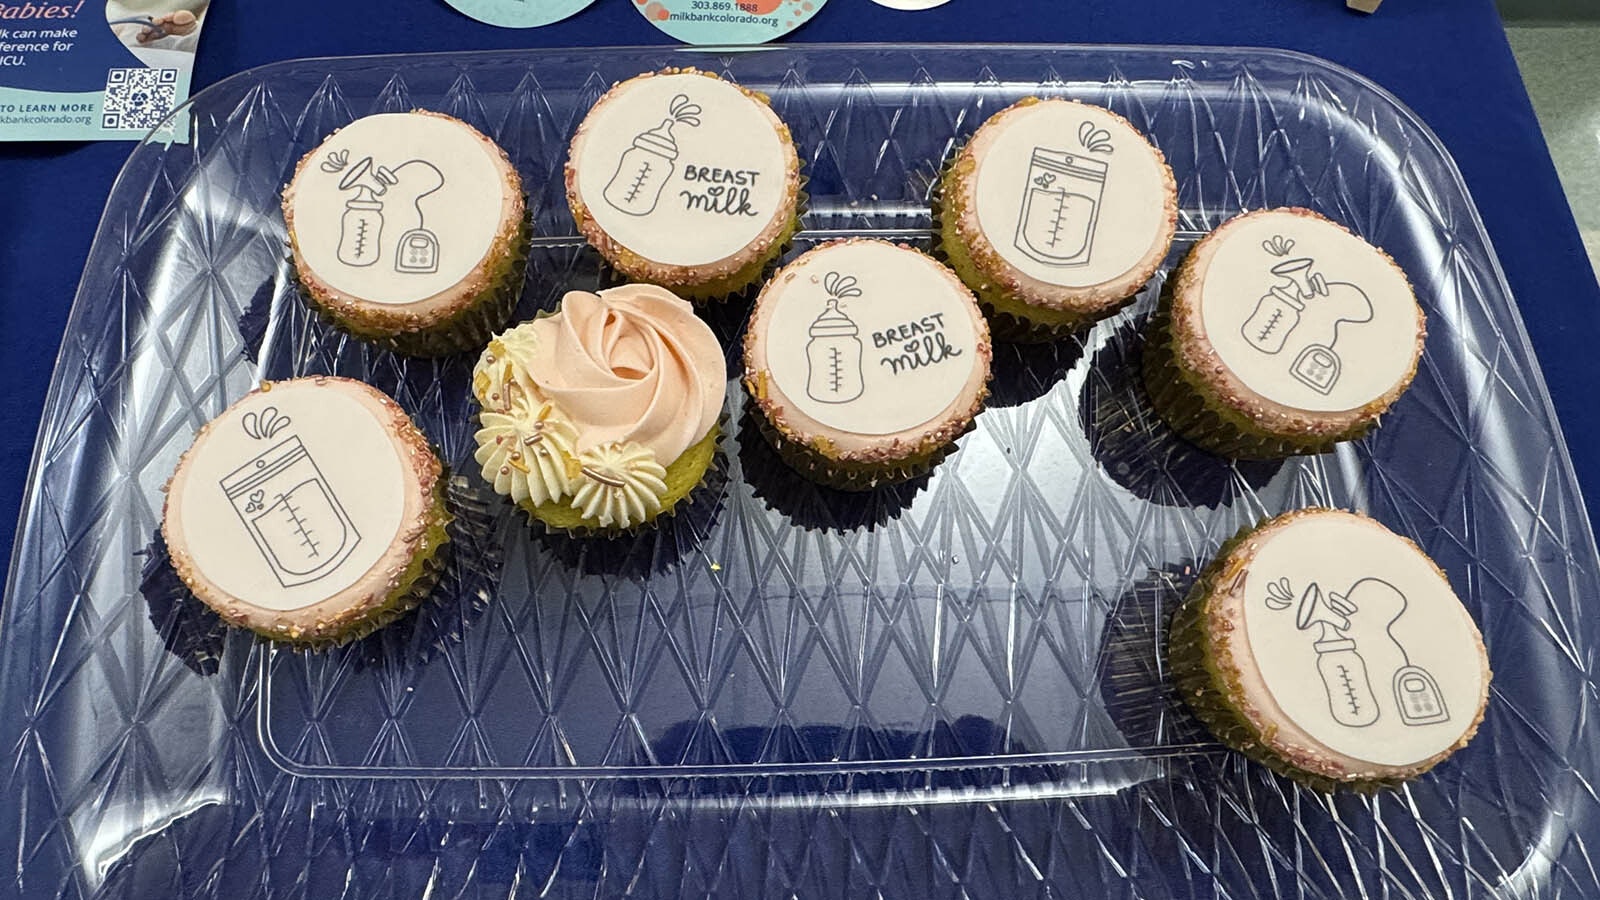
{"points": [[603, 415]]}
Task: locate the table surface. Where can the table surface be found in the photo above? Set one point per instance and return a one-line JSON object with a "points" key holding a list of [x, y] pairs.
{"points": [[1447, 59]]}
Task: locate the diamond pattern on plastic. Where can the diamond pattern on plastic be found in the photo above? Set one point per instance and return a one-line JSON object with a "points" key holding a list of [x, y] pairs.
{"points": [[951, 688]]}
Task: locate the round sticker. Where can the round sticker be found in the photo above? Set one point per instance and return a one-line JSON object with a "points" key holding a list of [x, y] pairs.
{"points": [[1070, 194], [391, 209], [1360, 641], [291, 497], [519, 13], [869, 338], [1307, 314], [727, 21], [682, 169]]}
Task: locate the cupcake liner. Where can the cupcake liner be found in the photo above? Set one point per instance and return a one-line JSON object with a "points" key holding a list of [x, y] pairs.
{"points": [[849, 476], [806, 503], [468, 329], [651, 548], [1138, 450], [467, 584], [1010, 319], [1206, 424], [189, 629], [1134, 686]]}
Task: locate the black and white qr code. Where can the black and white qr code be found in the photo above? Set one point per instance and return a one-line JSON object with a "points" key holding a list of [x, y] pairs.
{"points": [[138, 98]]}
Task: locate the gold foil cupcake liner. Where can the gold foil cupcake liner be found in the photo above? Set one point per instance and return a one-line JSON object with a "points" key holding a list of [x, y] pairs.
{"points": [[848, 476]]}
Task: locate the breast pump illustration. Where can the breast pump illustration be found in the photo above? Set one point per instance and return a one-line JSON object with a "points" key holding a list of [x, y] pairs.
{"points": [[645, 167], [1310, 308], [1340, 662], [382, 194]]}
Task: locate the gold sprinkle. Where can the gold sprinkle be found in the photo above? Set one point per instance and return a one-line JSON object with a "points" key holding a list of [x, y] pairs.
{"points": [[604, 478]]}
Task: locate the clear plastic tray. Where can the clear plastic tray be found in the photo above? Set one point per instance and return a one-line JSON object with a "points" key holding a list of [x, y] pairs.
{"points": [[953, 687]]}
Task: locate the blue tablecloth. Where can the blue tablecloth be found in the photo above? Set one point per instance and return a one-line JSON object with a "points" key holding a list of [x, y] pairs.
{"points": [[1447, 59]]}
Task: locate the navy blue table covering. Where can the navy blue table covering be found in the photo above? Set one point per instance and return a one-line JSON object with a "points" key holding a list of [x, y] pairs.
{"points": [[1447, 59]]}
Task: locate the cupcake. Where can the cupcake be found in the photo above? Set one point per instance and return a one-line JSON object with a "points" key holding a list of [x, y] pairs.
{"points": [[866, 360], [1281, 333], [602, 415], [1056, 213], [311, 511], [409, 230], [1331, 650], [682, 179]]}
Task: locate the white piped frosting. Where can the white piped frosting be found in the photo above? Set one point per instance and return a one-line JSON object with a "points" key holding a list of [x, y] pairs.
{"points": [[528, 453], [500, 379], [622, 485]]}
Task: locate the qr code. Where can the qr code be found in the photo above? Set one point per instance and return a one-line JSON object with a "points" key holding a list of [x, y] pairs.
{"points": [[138, 98]]}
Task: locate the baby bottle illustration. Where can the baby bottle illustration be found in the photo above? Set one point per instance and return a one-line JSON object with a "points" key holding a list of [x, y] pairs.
{"points": [[644, 168], [1061, 204], [1303, 297], [297, 522], [833, 355], [361, 227], [1340, 663]]}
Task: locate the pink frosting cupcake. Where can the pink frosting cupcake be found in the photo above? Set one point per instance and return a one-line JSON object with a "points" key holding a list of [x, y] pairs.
{"points": [[604, 414]]}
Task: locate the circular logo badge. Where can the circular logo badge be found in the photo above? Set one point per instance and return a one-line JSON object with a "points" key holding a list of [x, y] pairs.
{"points": [[728, 21], [519, 13]]}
